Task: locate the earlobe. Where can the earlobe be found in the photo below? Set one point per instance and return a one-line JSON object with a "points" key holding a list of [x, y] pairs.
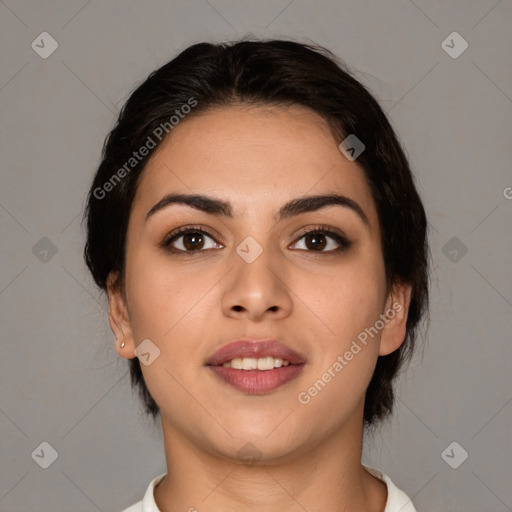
{"points": [[119, 318], [397, 307]]}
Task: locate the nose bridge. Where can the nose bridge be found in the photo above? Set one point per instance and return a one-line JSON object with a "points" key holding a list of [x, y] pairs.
{"points": [[257, 283]]}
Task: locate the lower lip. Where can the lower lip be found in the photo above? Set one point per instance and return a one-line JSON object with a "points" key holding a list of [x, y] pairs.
{"points": [[257, 382]]}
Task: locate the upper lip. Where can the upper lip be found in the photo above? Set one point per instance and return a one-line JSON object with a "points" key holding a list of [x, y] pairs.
{"points": [[255, 349]]}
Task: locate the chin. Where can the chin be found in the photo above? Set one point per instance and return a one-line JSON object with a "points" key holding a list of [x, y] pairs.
{"points": [[258, 451], [262, 443]]}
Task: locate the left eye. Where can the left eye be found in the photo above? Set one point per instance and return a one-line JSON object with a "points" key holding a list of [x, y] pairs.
{"points": [[322, 241]]}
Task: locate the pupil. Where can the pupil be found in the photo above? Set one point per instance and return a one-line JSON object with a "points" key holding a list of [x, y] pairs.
{"points": [[193, 241], [315, 243]]}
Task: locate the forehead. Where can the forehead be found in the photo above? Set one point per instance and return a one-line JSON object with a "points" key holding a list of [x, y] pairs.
{"points": [[254, 157]]}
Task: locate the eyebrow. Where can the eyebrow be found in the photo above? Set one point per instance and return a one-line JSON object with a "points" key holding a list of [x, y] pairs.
{"points": [[294, 207]]}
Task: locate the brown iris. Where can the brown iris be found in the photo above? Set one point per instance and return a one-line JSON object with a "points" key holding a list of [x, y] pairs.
{"points": [[317, 241], [193, 241]]}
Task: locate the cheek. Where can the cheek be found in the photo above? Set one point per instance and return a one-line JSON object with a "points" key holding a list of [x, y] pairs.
{"points": [[346, 301], [168, 302], [349, 303], [166, 307]]}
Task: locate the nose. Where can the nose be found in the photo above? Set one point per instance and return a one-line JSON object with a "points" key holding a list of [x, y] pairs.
{"points": [[256, 290]]}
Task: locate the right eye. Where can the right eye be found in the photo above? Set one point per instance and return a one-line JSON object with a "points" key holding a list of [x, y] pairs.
{"points": [[190, 239]]}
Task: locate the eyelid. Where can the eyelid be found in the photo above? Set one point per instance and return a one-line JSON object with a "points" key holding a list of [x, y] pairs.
{"points": [[324, 228]]}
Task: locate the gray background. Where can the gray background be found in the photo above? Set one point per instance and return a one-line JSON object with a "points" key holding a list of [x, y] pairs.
{"points": [[62, 381]]}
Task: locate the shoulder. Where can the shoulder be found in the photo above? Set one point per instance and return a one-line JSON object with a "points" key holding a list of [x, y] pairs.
{"points": [[147, 504], [397, 500]]}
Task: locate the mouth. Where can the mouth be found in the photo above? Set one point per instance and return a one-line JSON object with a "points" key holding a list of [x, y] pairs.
{"points": [[251, 363], [256, 367]]}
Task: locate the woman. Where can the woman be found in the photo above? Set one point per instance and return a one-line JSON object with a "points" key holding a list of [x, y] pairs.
{"points": [[256, 227]]}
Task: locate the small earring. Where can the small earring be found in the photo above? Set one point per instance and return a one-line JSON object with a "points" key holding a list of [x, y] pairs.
{"points": [[122, 344]]}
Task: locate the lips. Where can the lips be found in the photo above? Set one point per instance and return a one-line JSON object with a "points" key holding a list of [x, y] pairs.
{"points": [[252, 381], [255, 349]]}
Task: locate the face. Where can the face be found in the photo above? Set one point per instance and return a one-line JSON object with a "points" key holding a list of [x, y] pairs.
{"points": [[309, 276]]}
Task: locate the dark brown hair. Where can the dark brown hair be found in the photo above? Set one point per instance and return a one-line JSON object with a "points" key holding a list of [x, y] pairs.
{"points": [[271, 72]]}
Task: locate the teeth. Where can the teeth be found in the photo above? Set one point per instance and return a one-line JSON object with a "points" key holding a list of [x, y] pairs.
{"points": [[236, 363], [251, 363], [265, 363]]}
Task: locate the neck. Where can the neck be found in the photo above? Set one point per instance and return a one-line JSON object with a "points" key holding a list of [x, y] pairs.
{"points": [[326, 477]]}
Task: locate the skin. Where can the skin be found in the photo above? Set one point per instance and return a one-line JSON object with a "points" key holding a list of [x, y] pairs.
{"points": [[189, 304]]}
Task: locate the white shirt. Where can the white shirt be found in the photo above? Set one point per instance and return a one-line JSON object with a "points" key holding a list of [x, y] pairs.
{"points": [[397, 500]]}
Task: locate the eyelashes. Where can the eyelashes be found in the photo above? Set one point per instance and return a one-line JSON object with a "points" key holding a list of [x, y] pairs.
{"points": [[194, 239]]}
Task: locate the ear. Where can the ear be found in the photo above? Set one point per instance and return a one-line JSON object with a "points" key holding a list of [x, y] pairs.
{"points": [[396, 310], [119, 318]]}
